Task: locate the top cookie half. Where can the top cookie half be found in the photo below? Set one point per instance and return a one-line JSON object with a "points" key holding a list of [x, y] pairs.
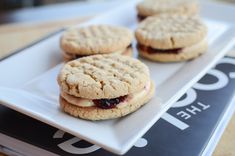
{"points": [[96, 39], [170, 31], [103, 76], [155, 7]]}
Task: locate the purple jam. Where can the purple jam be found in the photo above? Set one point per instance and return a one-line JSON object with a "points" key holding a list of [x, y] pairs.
{"points": [[109, 103], [141, 18]]}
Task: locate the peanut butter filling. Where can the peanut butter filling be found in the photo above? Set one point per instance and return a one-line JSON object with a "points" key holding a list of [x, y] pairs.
{"points": [[107, 103]]}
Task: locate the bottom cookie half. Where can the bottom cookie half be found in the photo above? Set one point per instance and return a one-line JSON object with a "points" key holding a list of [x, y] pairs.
{"points": [[95, 113], [187, 53]]}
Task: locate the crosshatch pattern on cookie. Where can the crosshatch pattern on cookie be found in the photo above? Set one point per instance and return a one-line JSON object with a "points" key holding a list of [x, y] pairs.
{"points": [[156, 7], [96, 39], [170, 31], [103, 76]]}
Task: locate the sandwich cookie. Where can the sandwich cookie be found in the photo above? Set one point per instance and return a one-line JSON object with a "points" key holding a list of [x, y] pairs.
{"points": [[171, 38], [148, 8], [96, 39], [101, 87]]}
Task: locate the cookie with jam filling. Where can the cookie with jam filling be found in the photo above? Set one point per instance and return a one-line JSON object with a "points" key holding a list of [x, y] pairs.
{"points": [[101, 87], [171, 38]]}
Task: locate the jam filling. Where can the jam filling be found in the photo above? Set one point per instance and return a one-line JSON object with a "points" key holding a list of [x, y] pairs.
{"points": [[141, 18], [129, 46], [109, 103], [151, 50], [75, 56]]}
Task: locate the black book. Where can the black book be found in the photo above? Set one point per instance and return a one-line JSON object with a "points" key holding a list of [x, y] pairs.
{"points": [[191, 127]]}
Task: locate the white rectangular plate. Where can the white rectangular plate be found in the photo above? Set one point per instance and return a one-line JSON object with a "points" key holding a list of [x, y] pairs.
{"points": [[28, 83]]}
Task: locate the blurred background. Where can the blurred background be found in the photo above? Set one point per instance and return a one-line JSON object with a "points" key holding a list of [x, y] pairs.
{"points": [[6, 5], [12, 11], [16, 4]]}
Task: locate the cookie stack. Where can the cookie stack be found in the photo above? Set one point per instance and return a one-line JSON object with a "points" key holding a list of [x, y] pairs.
{"points": [[96, 39], [170, 30], [103, 87], [102, 82]]}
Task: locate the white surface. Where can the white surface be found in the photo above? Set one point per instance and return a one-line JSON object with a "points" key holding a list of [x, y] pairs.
{"points": [[62, 11], [28, 84]]}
